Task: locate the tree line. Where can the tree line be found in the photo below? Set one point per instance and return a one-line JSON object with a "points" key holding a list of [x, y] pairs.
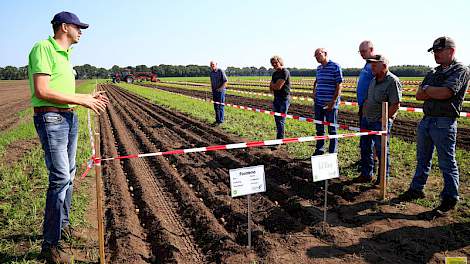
{"points": [[88, 71]]}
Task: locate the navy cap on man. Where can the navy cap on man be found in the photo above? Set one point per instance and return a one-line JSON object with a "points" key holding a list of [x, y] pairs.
{"points": [[68, 18]]}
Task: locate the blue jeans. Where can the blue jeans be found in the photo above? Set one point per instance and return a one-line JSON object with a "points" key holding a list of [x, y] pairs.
{"points": [[439, 132], [58, 133], [280, 105], [218, 108], [367, 144], [329, 116]]}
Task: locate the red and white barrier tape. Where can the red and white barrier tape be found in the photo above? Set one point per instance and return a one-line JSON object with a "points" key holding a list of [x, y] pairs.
{"points": [[259, 110], [97, 161], [93, 160], [293, 89], [407, 109], [241, 145], [300, 118]]}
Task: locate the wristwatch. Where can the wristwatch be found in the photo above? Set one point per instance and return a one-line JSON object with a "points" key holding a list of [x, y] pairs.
{"points": [[425, 87]]}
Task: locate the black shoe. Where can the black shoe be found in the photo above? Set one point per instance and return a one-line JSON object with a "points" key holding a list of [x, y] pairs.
{"points": [[274, 147], [55, 254], [444, 209], [411, 195], [446, 205], [358, 165], [362, 179]]}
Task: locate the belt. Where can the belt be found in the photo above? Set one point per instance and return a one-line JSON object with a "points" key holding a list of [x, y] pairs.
{"points": [[45, 109]]}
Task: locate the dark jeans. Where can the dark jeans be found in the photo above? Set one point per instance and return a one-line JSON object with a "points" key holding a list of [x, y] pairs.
{"points": [[360, 113], [329, 116], [280, 105], [58, 133], [439, 132], [218, 96], [368, 143]]}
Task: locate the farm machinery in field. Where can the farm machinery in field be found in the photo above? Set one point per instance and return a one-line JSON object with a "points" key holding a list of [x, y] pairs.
{"points": [[129, 77], [123, 76], [146, 76]]}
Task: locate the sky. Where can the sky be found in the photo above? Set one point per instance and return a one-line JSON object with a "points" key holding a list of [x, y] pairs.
{"points": [[239, 33]]}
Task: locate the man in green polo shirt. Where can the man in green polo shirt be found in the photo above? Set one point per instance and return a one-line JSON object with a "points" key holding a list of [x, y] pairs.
{"points": [[384, 87], [53, 97]]}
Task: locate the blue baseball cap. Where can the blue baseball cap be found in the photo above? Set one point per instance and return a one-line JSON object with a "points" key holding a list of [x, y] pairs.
{"points": [[68, 18]]}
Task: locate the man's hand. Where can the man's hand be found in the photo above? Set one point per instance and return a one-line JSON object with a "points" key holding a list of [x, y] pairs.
{"points": [[393, 110], [222, 87], [277, 85], [329, 106], [100, 96], [421, 94], [96, 104]]}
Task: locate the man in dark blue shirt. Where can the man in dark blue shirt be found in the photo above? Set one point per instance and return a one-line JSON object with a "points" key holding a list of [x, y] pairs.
{"points": [[218, 84], [280, 87]]}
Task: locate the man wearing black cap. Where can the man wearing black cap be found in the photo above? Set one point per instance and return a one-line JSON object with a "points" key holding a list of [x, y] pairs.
{"points": [[443, 91], [52, 85]]}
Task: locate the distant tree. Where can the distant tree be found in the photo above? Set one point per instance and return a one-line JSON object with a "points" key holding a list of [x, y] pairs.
{"points": [[141, 68], [410, 70], [88, 71], [10, 73], [115, 68]]}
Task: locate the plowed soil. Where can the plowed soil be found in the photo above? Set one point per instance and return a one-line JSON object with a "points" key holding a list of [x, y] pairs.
{"points": [[178, 209]]}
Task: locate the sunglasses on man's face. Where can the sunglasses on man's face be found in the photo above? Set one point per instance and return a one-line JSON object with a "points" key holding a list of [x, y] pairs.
{"points": [[438, 50]]}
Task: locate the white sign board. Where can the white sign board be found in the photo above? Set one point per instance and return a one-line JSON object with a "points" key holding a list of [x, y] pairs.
{"points": [[247, 180], [325, 167]]}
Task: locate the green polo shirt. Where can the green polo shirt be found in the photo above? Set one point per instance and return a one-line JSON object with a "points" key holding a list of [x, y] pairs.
{"points": [[388, 90], [49, 58]]}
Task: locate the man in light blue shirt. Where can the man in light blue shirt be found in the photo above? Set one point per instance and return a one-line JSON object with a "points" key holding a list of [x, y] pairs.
{"points": [[366, 49]]}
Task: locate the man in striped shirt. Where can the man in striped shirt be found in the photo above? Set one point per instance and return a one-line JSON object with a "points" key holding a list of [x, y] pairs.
{"points": [[326, 94]]}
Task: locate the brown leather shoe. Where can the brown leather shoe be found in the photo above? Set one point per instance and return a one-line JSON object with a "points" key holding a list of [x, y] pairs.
{"points": [[69, 233], [55, 254], [362, 179]]}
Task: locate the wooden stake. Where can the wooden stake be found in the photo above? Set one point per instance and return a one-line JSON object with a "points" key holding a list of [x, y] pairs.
{"points": [[383, 156], [99, 194]]}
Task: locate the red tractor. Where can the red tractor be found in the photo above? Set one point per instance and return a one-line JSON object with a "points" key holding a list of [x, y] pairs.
{"points": [[125, 76], [129, 77]]}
